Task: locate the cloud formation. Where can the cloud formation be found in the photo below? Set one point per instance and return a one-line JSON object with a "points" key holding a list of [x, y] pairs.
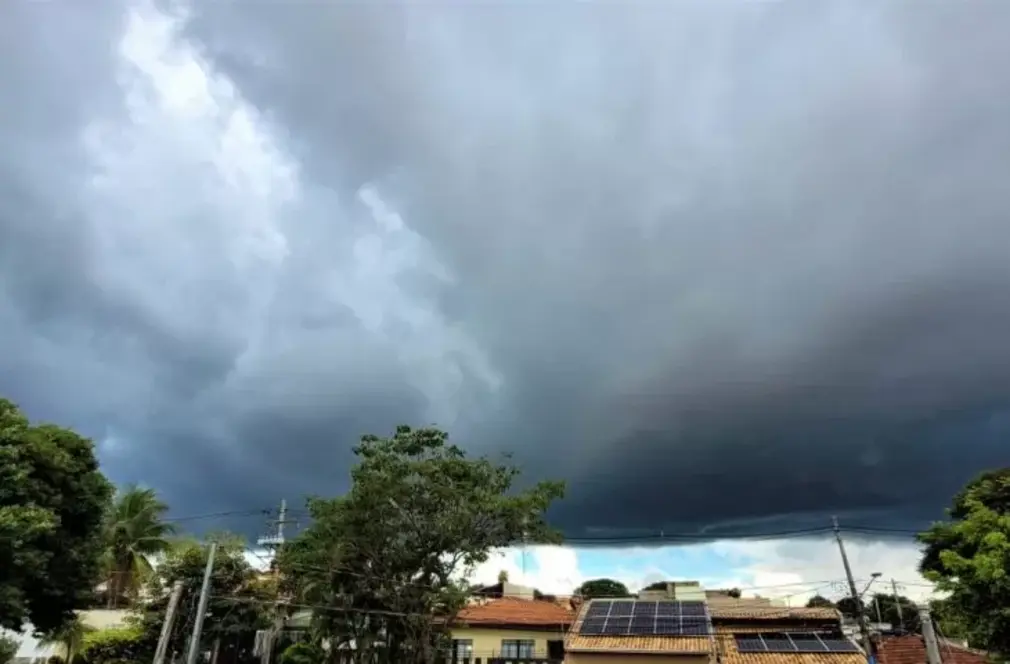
{"points": [[720, 267]]}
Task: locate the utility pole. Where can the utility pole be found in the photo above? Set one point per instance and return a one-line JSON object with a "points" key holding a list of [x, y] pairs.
{"points": [[166, 629], [929, 636], [864, 630], [876, 606], [201, 609], [274, 543], [897, 605]]}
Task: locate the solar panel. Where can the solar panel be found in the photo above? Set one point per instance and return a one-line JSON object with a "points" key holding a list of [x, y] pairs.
{"points": [[777, 642], [840, 645], [692, 609], [667, 626], [690, 628], [806, 642], [667, 609], [749, 643], [617, 626], [642, 626], [623, 617]]}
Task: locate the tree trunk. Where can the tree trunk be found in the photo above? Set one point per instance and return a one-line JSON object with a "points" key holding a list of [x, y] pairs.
{"points": [[112, 589], [215, 651]]}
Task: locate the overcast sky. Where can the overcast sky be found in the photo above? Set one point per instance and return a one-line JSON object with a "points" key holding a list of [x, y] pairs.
{"points": [[718, 265]]}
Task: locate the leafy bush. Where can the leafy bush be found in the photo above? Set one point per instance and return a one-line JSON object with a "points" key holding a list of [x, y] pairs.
{"points": [[303, 653], [8, 648], [117, 645]]}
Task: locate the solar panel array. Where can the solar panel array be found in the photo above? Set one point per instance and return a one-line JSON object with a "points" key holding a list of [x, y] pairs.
{"points": [[638, 618], [794, 642]]}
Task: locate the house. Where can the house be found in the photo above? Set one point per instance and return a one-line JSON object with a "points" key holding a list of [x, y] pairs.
{"points": [[727, 632], [506, 589], [748, 632], [511, 628], [910, 649]]}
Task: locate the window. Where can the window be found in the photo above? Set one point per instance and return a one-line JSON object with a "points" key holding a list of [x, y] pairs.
{"points": [[518, 648], [462, 649]]}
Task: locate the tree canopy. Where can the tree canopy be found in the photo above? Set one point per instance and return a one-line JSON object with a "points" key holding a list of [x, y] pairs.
{"points": [[134, 532], [602, 588], [820, 602], [386, 560], [898, 610], [968, 557], [52, 501], [238, 600]]}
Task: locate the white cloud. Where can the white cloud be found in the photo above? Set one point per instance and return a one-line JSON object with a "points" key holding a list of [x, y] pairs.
{"points": [[550, 569], [791, 570]]}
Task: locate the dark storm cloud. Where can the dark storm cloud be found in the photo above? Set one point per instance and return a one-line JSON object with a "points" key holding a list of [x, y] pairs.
{"points": [[718, 266]]}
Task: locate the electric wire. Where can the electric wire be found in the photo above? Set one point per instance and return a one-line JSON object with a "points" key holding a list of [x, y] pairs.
{"points": [[661, 537]]}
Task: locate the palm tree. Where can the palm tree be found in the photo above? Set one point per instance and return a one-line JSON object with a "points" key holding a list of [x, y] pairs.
{"points": [[69, 637], [134, 531]]}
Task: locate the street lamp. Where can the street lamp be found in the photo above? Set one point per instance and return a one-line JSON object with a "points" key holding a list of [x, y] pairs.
{"points": [[876, 605]]}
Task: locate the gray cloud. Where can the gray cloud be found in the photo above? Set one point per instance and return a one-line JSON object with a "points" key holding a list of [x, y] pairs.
{"points": [[736, 267]]}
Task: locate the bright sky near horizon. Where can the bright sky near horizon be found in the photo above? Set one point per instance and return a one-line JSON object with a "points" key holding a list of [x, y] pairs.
{"points": [[790, 570]]}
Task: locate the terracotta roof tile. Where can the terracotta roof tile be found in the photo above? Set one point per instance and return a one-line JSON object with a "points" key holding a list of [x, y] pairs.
{"points": [[774, 626], [728, 612], [653, 644], [730, 655], [911, 650], [515, 611]]}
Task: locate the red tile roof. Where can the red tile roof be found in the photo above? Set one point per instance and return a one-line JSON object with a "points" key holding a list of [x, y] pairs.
{"points": [[515, 611], [730, 655], [911, 650], [725, 612]]}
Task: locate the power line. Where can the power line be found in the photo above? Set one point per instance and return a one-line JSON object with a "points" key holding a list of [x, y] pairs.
{"points": [[215, 515]]}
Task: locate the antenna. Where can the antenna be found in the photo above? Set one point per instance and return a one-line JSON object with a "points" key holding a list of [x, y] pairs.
{"points": [[276, 540]]}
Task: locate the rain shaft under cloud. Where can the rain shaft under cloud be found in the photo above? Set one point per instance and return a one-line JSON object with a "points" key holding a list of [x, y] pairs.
{"points": [[716, 265]]}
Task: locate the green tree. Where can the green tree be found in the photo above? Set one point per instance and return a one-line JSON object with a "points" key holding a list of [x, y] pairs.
{"points": [[302, 653], [52, 500], [819, 602], [850, 607], [118, 645], [968, 557], [69, 637], [952, 624], [905, 619], [602, 588], [238, 600], [135, 531], [386, 559], [8, 648]]}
